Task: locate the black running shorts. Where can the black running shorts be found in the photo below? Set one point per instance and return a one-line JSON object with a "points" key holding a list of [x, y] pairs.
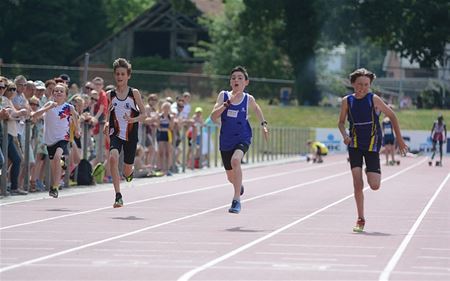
{"points": [[129, 148], [226, 155], [371, 158], [52, 148]]}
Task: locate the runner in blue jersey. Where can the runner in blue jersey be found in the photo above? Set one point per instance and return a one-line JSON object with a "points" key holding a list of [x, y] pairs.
{"points": [[235, 132], [362, 109], [388, 140]]}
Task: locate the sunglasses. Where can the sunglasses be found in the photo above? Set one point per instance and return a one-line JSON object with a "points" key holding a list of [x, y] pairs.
{"points": [[94, 99], [31, 104], [89, 88], [12, 89]]}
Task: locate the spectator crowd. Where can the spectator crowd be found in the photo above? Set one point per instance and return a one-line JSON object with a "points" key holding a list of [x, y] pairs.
{"points": [[22, 110]]}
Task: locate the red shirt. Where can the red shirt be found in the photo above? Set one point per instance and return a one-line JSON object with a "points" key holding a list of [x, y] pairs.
{"points": [[102, 100]]}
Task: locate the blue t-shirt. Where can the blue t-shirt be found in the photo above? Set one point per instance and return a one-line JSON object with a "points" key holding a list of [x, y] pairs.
{"points": [[235, 128], [365, 130], [388, 131]]}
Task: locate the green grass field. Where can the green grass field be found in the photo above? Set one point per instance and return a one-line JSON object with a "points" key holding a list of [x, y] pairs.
{"points": [[326, 117]]}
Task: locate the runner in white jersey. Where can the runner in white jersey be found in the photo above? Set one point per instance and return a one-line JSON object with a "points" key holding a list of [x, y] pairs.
{"points": [[122, 126], [58, 116], [438, 135]]}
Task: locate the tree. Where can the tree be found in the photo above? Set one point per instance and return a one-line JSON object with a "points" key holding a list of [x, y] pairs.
{"points": [[298, 36], [49, 32], [417, 29], [120, 12], [255, 49]]}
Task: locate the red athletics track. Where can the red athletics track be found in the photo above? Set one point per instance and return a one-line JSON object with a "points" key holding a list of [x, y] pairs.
{"points": [[296, 224]]}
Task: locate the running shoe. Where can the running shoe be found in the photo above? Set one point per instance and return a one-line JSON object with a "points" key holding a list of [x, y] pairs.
{"points": [[53, 192], [118, 203], [129, 178], [242, 190], [235, 207], [359, 227]]}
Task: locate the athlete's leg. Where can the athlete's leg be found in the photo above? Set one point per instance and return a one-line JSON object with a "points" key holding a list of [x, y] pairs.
{"points": [[433, 149], [373, 171], [440, 150], [55, 163], [386, 152], [127, 169], [393, 152], [374, 180], [114, 168], [237, 172], [358, 185]]}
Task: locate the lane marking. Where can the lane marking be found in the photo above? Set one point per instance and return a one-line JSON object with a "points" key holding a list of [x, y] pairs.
{"points": [[385, 274], [182, 177], [166, 196], [236, 251], [315, 254], [127, 234]]}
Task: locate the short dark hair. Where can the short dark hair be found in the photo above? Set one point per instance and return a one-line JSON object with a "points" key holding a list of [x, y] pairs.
{"points": [[362, 72], [121, 62], [240, 69]]}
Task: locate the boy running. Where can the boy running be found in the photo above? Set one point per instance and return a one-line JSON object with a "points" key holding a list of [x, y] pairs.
{"points": [[235, 132], [122, 126], [362, 109], [58, 116]]}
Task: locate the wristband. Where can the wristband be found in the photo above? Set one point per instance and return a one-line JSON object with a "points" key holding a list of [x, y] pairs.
{"points": [[264, 123]]}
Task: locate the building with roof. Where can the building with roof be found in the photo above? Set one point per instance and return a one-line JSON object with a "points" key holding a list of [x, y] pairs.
{"points": [[161, 31]]}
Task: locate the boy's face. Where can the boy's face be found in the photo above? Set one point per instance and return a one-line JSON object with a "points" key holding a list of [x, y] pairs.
{"points": [[238, 82], [121, 76], [59, 93], [361, 85]]}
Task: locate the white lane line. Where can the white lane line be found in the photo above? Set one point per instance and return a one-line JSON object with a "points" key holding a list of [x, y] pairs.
{"points": [[385, 274], [315, 254], [236, 251], [105, 187], [127, 234], [164, 196], [323, 246]]}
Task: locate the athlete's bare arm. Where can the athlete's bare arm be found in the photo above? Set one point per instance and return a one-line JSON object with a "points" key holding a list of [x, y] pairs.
{"points": [[141, 107], [342, 120], [219, 108]]}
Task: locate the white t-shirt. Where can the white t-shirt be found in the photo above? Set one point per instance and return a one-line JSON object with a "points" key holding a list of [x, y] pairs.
{"points": [[57, 124], [12, 123]]}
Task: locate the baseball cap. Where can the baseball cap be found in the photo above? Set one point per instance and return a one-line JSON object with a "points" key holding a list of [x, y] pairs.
{"points": [[39, 85], [198, 109], [65, 77]]}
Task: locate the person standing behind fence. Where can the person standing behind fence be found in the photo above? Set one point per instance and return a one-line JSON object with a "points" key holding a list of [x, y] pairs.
{"points": [[124, 115], [165, 125], [235, 132], [362, 108], [180, 121], [100, 111], [438, 135], [4, 115], [150, 129], [14, 153], [58, 116]]}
